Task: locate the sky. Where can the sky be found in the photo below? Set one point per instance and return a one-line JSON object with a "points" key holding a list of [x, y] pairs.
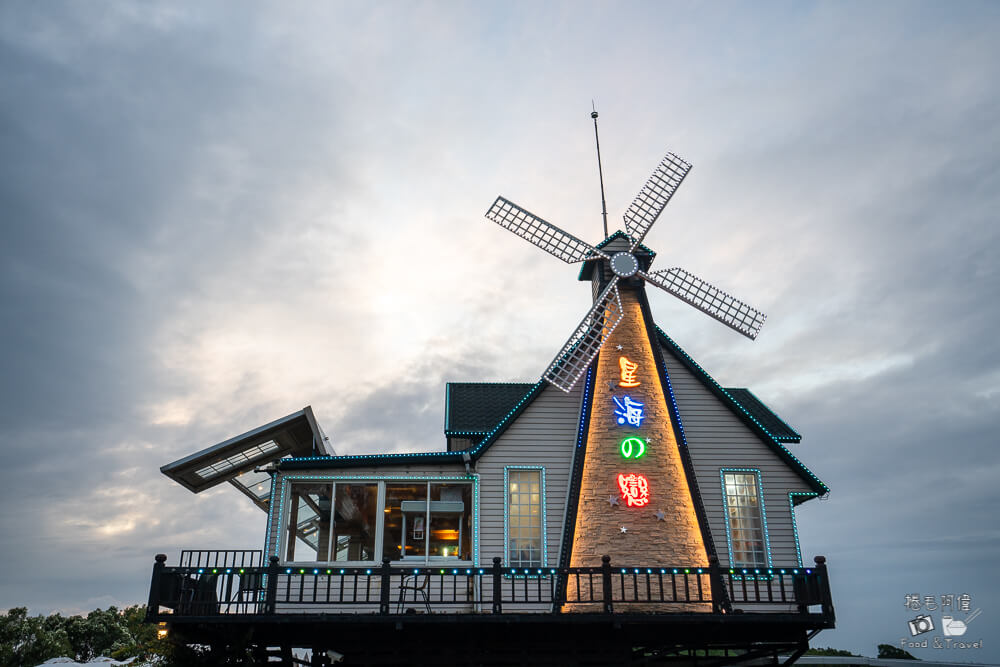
{"points": [[214, 214]]}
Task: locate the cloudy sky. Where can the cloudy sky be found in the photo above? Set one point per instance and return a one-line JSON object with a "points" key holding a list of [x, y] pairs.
{"points": [[215, 214]]}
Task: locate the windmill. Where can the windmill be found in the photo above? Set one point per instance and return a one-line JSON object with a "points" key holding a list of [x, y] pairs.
{"points": [[595, 328]]}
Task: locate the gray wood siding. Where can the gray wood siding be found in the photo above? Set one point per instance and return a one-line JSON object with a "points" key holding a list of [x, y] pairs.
{"points": [[543, 435], [717, 439]]}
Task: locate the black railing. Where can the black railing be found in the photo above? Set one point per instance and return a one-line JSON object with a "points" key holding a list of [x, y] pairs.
{"points": [[222, 558], [222, 584]]}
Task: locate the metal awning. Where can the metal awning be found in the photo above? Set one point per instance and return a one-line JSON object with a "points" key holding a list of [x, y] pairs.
{"points": [[234, 460]]}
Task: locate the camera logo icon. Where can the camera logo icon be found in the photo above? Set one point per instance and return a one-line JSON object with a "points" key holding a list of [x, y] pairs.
{"points": [[920, 625]]}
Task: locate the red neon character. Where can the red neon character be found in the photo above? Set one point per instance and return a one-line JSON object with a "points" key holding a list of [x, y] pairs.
{"points": [[634, 488]]}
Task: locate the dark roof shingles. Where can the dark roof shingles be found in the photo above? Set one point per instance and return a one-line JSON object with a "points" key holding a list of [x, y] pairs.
{"points": [[774, 424], [475, 408]]}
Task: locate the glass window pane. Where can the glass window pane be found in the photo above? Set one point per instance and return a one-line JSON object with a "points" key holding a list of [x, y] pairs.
{"points": [[354, 522], [524, 510], [745, 520], [450, 533], [404, 516], [308, 530]]}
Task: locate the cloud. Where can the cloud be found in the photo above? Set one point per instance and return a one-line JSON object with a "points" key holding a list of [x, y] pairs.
{"points": [[215, 217]]}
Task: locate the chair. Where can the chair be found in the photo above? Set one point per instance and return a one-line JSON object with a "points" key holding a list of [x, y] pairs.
{"points": [[248, 592], [418, 583]]}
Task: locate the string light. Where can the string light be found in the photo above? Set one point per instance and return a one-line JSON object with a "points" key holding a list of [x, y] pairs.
{"points": [[763, 511], [734, 404], [795, 528], [377, 478], [619, 234]]}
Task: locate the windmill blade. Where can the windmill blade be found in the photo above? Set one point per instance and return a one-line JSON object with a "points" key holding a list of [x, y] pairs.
{"points": [[708, 299], [543, 234], [581, 348], [653, 198]]}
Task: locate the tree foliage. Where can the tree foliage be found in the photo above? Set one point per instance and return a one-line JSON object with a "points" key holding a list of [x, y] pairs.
{"points": [[889, 651], [31, 640]]}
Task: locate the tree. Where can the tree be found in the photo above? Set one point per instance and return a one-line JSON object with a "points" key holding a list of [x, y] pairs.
{"points": [[29, 640], [891, 652]]}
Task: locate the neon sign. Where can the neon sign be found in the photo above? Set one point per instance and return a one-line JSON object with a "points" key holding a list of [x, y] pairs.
{"points": [[629, 369], [634, 488], [633, 448], [629, 411]]}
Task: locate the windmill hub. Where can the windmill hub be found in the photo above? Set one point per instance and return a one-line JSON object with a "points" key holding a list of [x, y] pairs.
{"points": [[624, 264]]}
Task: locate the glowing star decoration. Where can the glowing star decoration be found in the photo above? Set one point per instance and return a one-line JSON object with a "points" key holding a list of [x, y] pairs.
{"points": [[629, 411], [634, 488], [629, 370], [633, 448]]}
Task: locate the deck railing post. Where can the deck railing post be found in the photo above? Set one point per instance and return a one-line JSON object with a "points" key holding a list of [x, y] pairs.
{"points": [[153, 609], [383, 599], [271, 598], [720, 594], [606, 581], [497, 586], [824, 588]]}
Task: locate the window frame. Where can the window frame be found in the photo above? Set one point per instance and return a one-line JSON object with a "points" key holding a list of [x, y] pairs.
{"points": [[763, 517], [506, 516], [279, 531]]}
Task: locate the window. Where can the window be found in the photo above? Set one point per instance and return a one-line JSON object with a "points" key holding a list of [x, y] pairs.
{"points": [[745, 517], [352, 521], [309, 522], [525, 517], [350, 535]]}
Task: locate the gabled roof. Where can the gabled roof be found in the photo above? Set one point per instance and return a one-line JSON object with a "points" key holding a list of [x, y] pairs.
{"points": [[473, 408], [776, 427], [753, 413], [645, 254], [744, 415]]}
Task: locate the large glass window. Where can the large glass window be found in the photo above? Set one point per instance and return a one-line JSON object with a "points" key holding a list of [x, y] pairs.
{"points": [[319, 530], [746, 526], [524, 518], [405, 518], [450, 534], [309, 522], [366, 521], [416, 529], [354, 522]]}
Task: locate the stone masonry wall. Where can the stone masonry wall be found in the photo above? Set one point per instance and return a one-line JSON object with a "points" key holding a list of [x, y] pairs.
{"points": [[674, 540]]}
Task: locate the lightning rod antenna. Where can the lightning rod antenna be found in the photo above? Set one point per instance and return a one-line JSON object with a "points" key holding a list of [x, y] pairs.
{"points": [[600, 171]]}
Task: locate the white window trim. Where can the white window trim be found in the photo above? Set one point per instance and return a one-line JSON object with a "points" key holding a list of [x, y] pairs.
{"points": [[763, 514], [506, 513], [282, 518]]}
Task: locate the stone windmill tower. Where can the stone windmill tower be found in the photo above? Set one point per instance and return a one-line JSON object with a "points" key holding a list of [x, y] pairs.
{"points": [[637, 498]]}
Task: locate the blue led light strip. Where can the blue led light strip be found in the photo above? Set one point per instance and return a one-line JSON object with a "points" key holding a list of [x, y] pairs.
{"points": [[776, 416], [795, 528], [270, 517], [381, 478], [456, 456], [734, 403], [506, 503], [763, 512]]}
